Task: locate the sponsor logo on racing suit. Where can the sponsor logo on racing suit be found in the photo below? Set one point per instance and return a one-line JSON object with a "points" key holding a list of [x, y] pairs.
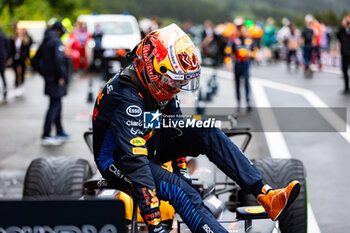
{"points": [[134, 111], [102, 183], [138, 141], [136, 131], [207, 228], [155, 218], [134, 123], [109, 88], [139, 151], [118, 173], [150, 197]]}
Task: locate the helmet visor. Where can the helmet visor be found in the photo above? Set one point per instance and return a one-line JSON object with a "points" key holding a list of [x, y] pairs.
{"points": [[187, 82]]}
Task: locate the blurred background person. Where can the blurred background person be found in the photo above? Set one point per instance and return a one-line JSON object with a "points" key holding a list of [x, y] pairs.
{"points": [[343, 36], [316, 49], [147, 25], [20, 46], [326, 37], [214, 46], [98, 52], [269, 38], [72, 48], [293, 45], [83, 36], [156, 23], [308, 38], [144, 25], [67, 43], [4, 53], [189, 29], [51, 56], [242, 47], [206, 37], [282, 35]]}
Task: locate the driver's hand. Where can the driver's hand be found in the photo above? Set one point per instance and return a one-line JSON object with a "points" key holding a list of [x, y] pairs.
{"points": [[157, 229], [183, 174]]}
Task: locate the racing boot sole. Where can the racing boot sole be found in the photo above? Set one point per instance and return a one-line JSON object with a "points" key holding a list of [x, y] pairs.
{"points": [[292, 196]]}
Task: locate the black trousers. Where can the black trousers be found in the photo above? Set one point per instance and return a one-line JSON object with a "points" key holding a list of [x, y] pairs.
{"points": [[53, 116], [2, 73], [242, 69], [19, 74], [345, 68], [292, 53]]}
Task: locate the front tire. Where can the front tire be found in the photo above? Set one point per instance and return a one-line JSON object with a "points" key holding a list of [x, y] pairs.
{"points": [[55, 178], [279, 173]]}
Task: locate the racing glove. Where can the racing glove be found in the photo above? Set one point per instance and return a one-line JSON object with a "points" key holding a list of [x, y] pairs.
{"points": [[157, 229], [180, 169]]}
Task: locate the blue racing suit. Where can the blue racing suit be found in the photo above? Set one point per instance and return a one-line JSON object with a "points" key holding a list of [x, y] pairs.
{"points": [[119, 141]]}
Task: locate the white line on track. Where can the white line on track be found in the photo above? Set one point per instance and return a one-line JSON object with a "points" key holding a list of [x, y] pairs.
{"points": [[315, 101], [275, 140]]}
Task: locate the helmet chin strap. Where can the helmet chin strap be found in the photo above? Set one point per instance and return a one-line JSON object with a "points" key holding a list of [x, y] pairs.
{"points": [[162, 103]]}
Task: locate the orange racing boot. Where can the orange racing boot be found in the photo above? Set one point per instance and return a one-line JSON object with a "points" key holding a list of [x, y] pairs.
{"points": [[278, 200]]}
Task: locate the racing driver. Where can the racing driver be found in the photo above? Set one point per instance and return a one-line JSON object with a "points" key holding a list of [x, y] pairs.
{"points": [[161, 65]]}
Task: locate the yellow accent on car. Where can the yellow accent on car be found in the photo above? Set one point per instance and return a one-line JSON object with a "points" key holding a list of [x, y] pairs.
{"points": [[255, 210]]}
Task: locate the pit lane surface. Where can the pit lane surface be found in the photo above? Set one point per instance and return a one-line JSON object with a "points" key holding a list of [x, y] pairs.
{"points": [[325, 155]]}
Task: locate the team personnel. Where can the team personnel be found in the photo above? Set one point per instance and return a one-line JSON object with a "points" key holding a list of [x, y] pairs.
{"points": [[20, 44], [164, 63], [343, 36], [293, 44], [241, 47], [51, 64], [308, 38], [4, 53]]}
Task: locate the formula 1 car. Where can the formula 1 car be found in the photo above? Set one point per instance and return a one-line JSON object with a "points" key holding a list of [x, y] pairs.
{"points": [[72, 178]]}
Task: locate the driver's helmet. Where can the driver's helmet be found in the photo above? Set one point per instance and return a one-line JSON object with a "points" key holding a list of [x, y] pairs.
{"points": [[167, 62]]}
